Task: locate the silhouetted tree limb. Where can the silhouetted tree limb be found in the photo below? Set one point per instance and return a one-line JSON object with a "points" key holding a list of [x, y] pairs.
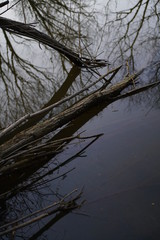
{"points": [[28, 31]]}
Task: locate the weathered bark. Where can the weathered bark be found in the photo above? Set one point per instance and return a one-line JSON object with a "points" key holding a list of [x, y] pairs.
{"points": [[41, 129], [26, 151], [21, 147], [37, 116]]}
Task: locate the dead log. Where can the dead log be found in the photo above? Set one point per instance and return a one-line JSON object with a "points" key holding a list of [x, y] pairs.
{"points": [[58, 121], [39, 114]]}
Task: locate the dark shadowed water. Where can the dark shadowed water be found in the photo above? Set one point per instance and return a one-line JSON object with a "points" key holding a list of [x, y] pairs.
{"points": [[120, 175], [117, 162]]}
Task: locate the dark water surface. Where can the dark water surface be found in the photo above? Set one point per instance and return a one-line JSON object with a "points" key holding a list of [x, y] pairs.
{"points": [[121, 179], [119, 172]]}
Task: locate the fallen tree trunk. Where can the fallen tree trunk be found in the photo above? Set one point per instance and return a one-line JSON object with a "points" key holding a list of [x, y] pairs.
{"points": [[20, 150], [58, 121], [27, 150], [41, 113]]}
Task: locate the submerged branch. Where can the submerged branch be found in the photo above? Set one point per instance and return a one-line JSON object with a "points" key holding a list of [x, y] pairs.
{"points": [[27, 30], [25, 118], [27, 147], [138, 90], [66, 116], [62, 206]]}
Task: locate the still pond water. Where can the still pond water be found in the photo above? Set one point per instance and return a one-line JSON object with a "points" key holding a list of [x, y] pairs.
{"points": [[119, 172]]}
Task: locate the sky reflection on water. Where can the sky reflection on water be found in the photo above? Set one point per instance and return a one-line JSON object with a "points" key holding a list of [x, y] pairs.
{"points": [[119, 172]]}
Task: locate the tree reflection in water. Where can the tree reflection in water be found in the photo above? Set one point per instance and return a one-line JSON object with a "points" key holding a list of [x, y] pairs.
{"points": [[30, 73], [33, 76]]}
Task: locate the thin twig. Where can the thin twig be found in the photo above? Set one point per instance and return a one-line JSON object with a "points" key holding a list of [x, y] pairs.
{"points": [[62, 205], [137, 90], [10, 7], [14, 125]]}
